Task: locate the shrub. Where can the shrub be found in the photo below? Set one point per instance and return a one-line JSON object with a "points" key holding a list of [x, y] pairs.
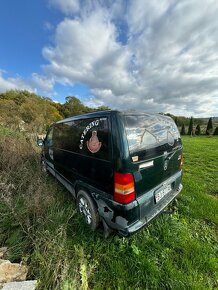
{"points": [[198, 130], [35, 214], [183, 130], [190, 128], [209, 129], [24, 202], [215, 131]]}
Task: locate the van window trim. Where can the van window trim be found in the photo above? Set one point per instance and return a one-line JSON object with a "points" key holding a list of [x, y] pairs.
{"points": [[51, 128]]}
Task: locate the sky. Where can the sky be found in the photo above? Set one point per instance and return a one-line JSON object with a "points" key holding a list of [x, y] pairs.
{"points": [[152, 56]]}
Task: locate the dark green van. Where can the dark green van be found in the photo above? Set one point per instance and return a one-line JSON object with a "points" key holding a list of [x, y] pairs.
{"points": [[122, 168]]}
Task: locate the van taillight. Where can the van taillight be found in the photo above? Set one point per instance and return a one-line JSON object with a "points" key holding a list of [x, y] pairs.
{"points": [[124, 188]]}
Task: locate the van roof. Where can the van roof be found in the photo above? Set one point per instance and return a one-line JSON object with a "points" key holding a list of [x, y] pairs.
{"points": [[108, 112], [88, 115]]}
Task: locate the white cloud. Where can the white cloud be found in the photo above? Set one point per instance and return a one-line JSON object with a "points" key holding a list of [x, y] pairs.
{"points": [[48, 26], [35, 83], [86, 51], [158, 56], [66, 6], [13, 83], [42, 82], [153, 56]]}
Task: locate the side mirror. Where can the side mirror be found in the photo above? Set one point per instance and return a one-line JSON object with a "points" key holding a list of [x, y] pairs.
{"points": [[40, 142]]}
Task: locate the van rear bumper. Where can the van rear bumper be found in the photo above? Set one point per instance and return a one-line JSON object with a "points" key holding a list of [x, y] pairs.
{"points": [[126, 219], [159, 208]]}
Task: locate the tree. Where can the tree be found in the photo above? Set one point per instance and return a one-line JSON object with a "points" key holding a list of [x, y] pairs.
{"points": [[176, 121], [198, 130], [209, 129], [60, 108], [102, 108], [190, 128], [33, 113], [216, 131], [183, 130], [73, 106], [9, 113]]}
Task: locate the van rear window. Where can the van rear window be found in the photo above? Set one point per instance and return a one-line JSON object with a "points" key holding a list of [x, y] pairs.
{"points": [[151, 133]]}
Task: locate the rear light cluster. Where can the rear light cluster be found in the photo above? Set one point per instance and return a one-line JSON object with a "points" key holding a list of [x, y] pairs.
{"points": [[124, 188]]}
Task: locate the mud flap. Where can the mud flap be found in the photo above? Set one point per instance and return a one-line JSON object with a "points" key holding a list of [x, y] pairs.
{"points": [[107, 230]]}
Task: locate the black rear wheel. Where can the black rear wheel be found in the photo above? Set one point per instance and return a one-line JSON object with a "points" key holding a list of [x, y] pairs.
{"points": [[88, 209]]}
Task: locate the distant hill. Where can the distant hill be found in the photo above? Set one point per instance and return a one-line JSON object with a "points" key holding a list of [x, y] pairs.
{"points": [[215, 119]]}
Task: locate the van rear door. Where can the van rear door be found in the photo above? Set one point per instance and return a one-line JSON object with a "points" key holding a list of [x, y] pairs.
{"points": [[155, 149]]}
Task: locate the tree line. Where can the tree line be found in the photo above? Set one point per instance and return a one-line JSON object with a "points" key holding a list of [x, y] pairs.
{"points": [[192, 130], [25, 111]]}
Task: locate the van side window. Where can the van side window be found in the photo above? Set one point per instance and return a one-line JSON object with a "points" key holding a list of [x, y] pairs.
{"points": [[88, 137], [62, 136], [49, 137]]}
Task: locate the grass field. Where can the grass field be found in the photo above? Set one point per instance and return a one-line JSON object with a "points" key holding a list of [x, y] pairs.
{"points": [[39, 223]]}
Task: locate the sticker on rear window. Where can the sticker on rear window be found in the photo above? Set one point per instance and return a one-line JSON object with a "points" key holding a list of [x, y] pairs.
{"points": [[93, 144], [90, 126]]}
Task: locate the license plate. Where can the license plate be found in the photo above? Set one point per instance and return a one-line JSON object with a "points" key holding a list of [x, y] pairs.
{"points": [[160, 194]]}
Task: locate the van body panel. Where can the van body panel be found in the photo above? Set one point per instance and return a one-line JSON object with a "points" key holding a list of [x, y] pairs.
{"points": [[85, 152], [73, 167]]}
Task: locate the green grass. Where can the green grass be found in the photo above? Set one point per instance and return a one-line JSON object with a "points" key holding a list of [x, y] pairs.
{"points": [[201, 177], [39, 223]]}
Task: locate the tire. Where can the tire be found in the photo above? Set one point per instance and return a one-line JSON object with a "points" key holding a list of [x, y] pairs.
{"points": [[88, 209]]}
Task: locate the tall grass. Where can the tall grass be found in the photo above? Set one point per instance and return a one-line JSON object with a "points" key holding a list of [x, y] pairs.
{"points": [[39, 224]]}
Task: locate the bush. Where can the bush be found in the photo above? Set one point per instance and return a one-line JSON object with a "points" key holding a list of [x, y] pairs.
{"points": [[35, 219], [183, 130], [198, 130], [26, 201], [215, 131], [209, 129], [190, 127]]}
